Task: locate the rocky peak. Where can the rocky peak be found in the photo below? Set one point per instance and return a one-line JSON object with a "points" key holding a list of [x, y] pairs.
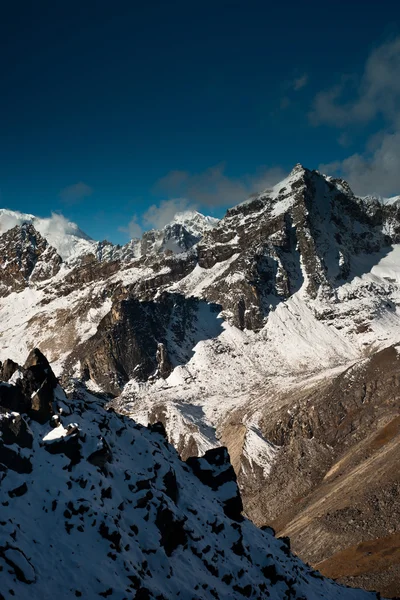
{"points": [[32, 389], [194, 222], [184, 231], [304, 233], [25, 256]]}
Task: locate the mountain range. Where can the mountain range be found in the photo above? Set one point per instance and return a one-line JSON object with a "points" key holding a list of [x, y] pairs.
{"points": [[273, 332]]}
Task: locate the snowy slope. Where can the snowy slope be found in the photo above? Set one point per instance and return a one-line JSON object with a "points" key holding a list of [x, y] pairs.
{"points": [[101, 507]]}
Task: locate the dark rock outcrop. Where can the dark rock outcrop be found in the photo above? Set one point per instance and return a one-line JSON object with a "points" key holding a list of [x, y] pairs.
{"points": [[215, 470], [141, 339], [14, 430], [25, 256], [33, 393]]}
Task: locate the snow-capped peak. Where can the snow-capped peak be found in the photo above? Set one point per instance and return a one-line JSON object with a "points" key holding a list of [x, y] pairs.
{"points": [[65, 236], [194, 222]]}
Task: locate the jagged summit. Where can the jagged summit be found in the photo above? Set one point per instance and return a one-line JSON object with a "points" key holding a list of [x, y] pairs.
{"points": [[194, 221], [72, 244], [179, 235], [63, 235]]}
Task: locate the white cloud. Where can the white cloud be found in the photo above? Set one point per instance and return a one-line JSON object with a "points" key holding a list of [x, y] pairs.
{"points": [[158, 216], [375, 172], [59, 232], [359, 101], [133, 229]]}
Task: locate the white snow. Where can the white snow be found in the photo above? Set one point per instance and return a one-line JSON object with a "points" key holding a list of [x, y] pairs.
{"points": [[81, 530], [55, 434], [195, 222]]}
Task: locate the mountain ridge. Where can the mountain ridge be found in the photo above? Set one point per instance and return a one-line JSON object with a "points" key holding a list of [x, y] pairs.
{"points": [[225, 339]]}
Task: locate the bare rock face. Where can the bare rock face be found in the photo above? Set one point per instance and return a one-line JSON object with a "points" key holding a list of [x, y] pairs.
{"points": [[25, 256], [334, 487], [33, 392], [164, 364], [215, 470], [143, 339], [8, 368], [310, 229]]}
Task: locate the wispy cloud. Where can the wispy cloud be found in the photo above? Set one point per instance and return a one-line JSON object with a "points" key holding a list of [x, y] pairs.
{"points": [[72, 194], [199, 191], [290, 88], [213, 187], [300, 82], [133, 229], [376, 171], [158, 216], [359, 101]]}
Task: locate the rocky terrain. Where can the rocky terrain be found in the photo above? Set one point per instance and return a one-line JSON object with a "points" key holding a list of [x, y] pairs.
{"points": [[95, 506], [273, 331]]}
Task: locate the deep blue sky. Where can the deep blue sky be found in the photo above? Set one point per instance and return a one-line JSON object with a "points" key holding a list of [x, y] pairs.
{"points": [[118, 94]]}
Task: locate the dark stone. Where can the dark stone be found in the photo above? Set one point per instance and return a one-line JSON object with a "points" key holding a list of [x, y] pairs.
{"points": [[158, 428], [164, 364], [233, 507], [268, 529], [37, 359], [33, 393], [112, 536], [12, 398], [172, 530], [8, 368], [143, 484], [245, 591], [14, 461], [142, 594], [270, 572], [214, 469], [99, 458], [210, 476], [18, 491], [286, 544], [69, 446], [171, 485], [27, 574], [143, 502], [41, 405], [15, 430], [106, 493]]}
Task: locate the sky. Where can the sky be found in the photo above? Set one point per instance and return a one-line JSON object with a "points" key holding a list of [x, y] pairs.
{"points": [[120, 114]]}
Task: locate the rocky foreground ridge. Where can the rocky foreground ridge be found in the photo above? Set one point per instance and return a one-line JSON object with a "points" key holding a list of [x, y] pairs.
{"points": [[94, 505]]}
